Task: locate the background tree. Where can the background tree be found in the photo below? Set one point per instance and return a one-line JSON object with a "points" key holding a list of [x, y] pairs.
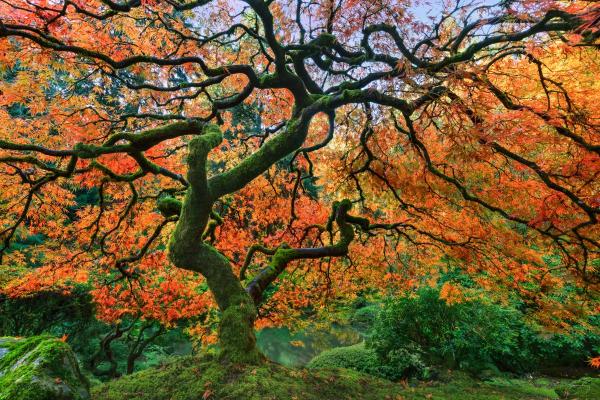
{"points": [[464, 136]]}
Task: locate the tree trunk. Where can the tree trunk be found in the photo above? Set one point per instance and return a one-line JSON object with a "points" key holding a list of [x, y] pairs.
{"points": [[236, 332], [238, 312], [187, 250], [237, 338]]}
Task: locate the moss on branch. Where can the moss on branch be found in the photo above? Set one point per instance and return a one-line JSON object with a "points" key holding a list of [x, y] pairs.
{"points": [[284, 255], [140, 141], [169, 206]]}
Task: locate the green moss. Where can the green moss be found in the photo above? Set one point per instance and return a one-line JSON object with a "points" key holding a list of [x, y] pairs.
{"points": [[187, 378], [346, 85], [324, 101], [16, 349], [530, 388], [316, 97], [350, 95], [281, 257], [463, 387], [86, 150], [267, 80], [582, 389], [212, 136], [40, 368], [236, 333], [169, 206], [153, 136], [200, 145], [192, 378], [324, 40], [347, 96]]}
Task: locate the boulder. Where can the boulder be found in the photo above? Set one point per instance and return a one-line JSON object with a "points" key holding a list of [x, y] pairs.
{"points": [[40, 368]]}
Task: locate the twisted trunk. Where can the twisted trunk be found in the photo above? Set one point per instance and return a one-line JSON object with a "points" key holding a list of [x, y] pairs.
{"points": [[187, 250], [238, 312]]}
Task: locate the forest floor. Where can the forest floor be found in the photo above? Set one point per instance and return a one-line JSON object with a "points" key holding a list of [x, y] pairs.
{"points": [[189, 378]]}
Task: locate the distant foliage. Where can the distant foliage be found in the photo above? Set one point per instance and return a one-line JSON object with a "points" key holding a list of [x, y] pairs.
{"points": [[364, 318], [46, 312], [71, 315]]}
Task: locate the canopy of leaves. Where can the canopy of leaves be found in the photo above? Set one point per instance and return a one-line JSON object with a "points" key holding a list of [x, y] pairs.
{"points": [[363, 148]]}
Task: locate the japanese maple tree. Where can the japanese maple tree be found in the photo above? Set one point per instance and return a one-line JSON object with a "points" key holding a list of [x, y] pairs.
{"points": [[315, 148]]}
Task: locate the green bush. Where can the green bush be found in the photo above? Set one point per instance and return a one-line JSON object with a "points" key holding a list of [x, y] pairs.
{"points": [[362, 359], [470, 336], [364, 318], [474, 336], [356, 357], [47, 312], [400, 363], [569, 350]]}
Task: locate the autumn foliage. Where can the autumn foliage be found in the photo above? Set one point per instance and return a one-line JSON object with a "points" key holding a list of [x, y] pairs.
{"points": [[469, 140]]}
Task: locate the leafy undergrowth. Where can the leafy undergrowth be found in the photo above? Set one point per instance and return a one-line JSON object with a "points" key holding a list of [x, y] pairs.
{"points": [[190, 378]]}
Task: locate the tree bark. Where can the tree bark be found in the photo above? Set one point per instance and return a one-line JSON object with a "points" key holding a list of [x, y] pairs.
{"points": [[187, 250]]}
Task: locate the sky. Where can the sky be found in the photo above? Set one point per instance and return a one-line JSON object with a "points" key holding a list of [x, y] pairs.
{"points": [[428, 8]]}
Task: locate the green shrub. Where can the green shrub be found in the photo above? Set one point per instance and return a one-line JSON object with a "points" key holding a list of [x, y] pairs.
{"points": [[401, 363], [474, 336], [46, 312], [359, 358], [470, 336], [364, 318], [356, 357], [569, 350]]}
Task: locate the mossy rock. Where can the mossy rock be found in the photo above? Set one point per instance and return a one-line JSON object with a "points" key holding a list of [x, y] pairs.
{"points": [[40, 368], [582, 389]]}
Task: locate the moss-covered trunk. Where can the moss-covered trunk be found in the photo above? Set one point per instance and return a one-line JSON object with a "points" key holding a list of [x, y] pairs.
{"points": [[238, 312], [236, 330], [237, 339], [188, 250]]}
